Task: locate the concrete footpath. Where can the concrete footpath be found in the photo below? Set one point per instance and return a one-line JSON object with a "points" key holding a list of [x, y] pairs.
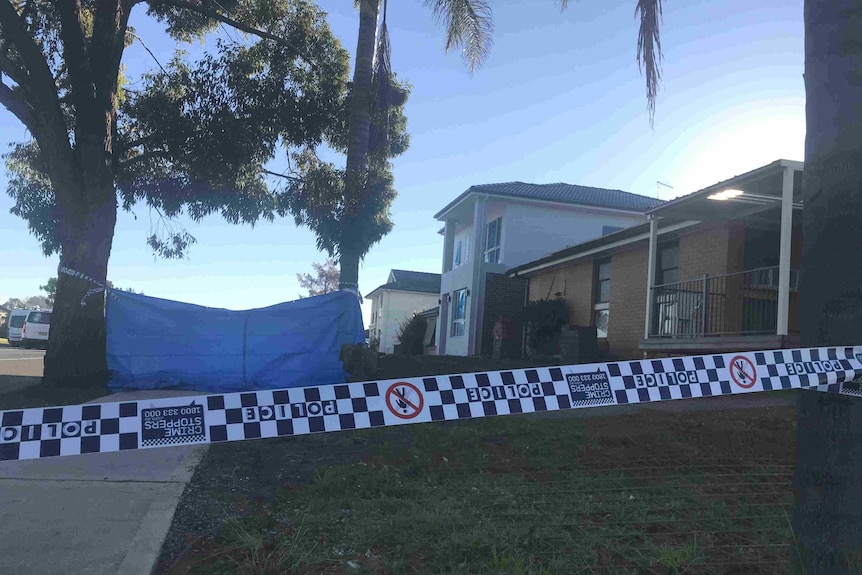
{"points": [[93, 514]]}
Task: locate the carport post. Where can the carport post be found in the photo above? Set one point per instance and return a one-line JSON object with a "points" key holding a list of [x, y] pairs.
{"points": [[784, 252], [651, 262]]}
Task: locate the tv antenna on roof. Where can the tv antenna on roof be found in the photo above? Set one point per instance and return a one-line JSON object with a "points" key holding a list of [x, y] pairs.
{"points": [[657, 186]]}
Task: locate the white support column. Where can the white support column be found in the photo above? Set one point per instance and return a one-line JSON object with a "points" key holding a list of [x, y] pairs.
{"points": [[477, 286], [784, 251], [651, 263]]}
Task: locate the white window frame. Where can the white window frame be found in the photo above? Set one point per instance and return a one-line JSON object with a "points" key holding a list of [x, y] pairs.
{"points": [[459, 321], [496, 248], [598, 306], [456, 256]]}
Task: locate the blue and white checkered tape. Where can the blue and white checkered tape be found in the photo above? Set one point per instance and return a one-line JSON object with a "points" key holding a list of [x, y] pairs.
{"points": [[201, 419]]}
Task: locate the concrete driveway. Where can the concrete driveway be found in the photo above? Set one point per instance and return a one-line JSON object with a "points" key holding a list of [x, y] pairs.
{"points": [[94, 514]]}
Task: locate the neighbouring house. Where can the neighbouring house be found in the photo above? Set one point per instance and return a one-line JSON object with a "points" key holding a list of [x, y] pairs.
{"points": [[404, 294], [429, 344], [712, 271], [493, 227]]}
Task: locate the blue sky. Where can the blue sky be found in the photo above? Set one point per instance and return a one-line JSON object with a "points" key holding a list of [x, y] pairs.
{"points": [[559, 100]]}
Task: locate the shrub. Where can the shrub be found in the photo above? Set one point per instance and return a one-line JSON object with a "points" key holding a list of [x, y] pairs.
{"points": [[411, 336]]}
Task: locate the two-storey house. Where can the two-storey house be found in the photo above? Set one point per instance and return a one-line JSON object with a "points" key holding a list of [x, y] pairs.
{"points": [[493, 227], [395, 302]]}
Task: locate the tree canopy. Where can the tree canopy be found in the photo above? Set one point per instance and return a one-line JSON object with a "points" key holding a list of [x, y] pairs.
{"points": [[196, 136]]}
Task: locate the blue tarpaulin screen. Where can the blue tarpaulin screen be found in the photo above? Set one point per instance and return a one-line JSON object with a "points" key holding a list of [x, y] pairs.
{"points": [[154, 343]]}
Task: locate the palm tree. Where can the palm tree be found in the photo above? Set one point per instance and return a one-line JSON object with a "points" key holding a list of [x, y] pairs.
{"points": [[469, 27]]}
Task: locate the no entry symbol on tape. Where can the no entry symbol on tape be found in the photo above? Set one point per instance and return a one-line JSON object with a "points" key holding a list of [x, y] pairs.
{"points": [[742, 372], [404, 400]]}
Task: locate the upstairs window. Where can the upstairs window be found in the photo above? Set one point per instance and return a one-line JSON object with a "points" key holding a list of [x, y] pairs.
{"points": [[492, 241], [461, 254]]}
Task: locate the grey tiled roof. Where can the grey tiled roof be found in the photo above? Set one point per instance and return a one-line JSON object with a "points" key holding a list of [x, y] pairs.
{"points": [[422, 282], [565, 193], [573, 194]]}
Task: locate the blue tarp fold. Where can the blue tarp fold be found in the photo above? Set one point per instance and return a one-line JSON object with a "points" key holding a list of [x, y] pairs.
{"points": [[154, 343]]}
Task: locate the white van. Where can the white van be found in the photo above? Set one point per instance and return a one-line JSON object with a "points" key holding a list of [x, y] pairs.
{"points": [[16, 320], [36, 329]]}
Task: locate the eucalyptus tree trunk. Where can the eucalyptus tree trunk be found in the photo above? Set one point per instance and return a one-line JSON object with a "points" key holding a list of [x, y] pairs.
{"points": [[827, 515], [76, 346], [358, 139]]}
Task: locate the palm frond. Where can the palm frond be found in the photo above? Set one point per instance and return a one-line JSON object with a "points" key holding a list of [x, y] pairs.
{"points": [[469, 26], [382, 91], [649, 49]]}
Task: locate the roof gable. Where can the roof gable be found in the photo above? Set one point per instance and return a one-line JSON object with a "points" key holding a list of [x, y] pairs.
{"points": [[404, 280]]}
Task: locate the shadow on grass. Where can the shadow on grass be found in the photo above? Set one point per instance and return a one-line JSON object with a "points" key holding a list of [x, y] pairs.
{"points": [[21, 391]]}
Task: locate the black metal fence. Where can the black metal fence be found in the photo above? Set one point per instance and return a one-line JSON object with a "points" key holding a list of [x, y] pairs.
{"points": [[743, 303]]}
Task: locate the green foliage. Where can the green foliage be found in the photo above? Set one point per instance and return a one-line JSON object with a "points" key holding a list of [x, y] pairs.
{"points": [[193, 137], [544, 318], [411, 335], [318, 197], [50, 289]]}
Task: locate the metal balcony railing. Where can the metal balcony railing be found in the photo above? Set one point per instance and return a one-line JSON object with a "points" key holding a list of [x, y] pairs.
{"points": [[743, 303]]}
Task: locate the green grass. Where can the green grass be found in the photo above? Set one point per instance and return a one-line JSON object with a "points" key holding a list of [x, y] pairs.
{"points": [[506, 496]]}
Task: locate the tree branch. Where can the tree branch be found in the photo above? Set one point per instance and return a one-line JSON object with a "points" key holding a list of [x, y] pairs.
{"points": [[18, 74], [150, 52], [48, 126], [126, 164], [285, 176], [13, 103], [106, 49], [13, 28], [217, 16], [75, 53]]}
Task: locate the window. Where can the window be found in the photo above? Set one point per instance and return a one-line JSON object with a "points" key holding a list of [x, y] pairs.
{"points": [[603, 281], [42, 317], [601, 311], [459, 312], [610, 229], [492, 241], [667, 268], [462, 252]]}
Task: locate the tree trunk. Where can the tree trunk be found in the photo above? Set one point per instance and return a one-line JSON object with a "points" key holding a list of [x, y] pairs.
{"points": [[827, 514], [358, 139], [76, 346]]}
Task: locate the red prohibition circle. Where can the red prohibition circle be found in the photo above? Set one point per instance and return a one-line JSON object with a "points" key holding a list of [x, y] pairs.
{"points": [[738, 373], [398, 402]]}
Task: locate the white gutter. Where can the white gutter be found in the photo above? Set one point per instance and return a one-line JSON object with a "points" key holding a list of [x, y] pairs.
{"points": [[612, 245]]}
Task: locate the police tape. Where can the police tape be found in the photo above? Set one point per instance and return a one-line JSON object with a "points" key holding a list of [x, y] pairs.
{"points": [[214, 418]]}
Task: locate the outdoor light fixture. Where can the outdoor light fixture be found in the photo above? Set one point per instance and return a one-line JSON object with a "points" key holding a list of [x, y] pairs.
{"points": [[725, 195]]}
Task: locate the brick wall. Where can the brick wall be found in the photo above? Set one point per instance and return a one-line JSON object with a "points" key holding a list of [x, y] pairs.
{"points": [[627, 310], [503, 296], [574, 283], [705, 251]]}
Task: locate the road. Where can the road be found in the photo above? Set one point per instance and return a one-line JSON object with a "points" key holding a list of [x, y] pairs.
{"points": [[19, 367]]}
